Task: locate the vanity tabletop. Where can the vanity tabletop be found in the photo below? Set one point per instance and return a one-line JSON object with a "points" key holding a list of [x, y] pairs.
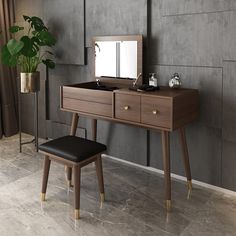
{"points": [[163, 92]]}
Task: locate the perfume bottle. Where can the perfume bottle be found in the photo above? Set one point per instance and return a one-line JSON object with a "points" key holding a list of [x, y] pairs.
{"points": [[175, 81], [153, 79]]}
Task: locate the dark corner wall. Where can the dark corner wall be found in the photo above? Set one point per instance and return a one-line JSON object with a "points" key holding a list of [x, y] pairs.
{"points": [[195, 38]]}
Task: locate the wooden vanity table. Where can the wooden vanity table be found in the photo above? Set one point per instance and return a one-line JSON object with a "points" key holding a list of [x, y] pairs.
{"points": [[164, 110]]}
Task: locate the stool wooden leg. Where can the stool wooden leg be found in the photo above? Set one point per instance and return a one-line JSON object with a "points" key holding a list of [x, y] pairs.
{"points": [[69, 175], [77, 174], [94, 129], [46, 169], [74, 124], [185, 157], [99, 171], [166, 163]]}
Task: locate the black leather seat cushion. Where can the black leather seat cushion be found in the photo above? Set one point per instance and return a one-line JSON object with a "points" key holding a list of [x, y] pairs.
{"points": [[72, 148]]}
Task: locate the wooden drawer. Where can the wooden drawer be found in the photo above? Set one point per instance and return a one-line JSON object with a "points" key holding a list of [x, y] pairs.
{"points": [[85, 100], [127, 107], [87, 107], [156, 111], [87, 94]]}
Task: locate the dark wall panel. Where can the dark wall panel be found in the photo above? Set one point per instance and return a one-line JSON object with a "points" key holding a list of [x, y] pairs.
{"points": [[228, 165], [197, 6], [229, 101], [66, 21], [120, 17], [56, 129], [193, 40], [123, 141], [229, 34]]}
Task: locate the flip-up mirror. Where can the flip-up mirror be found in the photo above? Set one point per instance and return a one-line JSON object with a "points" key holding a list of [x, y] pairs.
{"points": [[118, 57]]}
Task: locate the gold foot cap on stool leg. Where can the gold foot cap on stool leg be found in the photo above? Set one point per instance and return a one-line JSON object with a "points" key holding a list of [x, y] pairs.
{"points": [[43, 197], [168, 205], [190, 187], [102, 197], [77, 214], [189, 183]]}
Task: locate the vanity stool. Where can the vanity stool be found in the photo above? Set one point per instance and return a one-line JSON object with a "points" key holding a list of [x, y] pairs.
{"points": [[74, 152]]}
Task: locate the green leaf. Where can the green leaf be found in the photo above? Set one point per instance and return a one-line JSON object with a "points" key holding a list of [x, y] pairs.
{"points": [[13, 61], [26, 18], [35, 22], [5, 55], [36, 43], [14, 46], [15, 28], [49, 63], [34, 32], [29, 49], [24, 52], [46, 38], [7, 58]]}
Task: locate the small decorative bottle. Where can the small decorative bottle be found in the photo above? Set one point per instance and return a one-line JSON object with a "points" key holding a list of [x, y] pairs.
{"points": [[175, 81], [153, 79]]}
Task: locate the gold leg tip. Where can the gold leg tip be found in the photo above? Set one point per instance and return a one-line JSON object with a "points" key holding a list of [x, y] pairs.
{"points": [[102, 196], [43, 197], [168, 205], [77, 214], [190, 186]]}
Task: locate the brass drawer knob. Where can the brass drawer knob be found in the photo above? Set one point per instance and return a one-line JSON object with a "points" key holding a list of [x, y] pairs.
{"points": [[154, 112], [126, 108]]}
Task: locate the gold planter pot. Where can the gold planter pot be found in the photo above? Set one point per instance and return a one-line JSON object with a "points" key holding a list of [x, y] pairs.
{"points": [[29, 82]]}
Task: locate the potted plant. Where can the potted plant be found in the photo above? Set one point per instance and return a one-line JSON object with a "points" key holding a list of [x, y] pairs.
{"points": [[29, 51]]}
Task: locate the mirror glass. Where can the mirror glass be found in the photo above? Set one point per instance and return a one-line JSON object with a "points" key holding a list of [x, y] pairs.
{"points": [[116, 59]]}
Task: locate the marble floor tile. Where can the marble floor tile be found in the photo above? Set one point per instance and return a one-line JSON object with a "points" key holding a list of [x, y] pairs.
{"points": [[133, 207]]}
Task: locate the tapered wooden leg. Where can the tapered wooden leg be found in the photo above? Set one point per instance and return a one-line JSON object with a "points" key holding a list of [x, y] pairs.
{"points": [[185, 156], [94, 129], [99, 171], [77, 174], [74, 124], [46, 169], [69, 176], [166, 163]]}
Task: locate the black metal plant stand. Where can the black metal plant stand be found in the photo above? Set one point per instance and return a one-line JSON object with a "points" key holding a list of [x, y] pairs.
{"points": [[35, 139]]}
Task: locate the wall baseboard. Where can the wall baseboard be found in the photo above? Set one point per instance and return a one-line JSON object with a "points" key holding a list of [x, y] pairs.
{"points": [[177, 177]]}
